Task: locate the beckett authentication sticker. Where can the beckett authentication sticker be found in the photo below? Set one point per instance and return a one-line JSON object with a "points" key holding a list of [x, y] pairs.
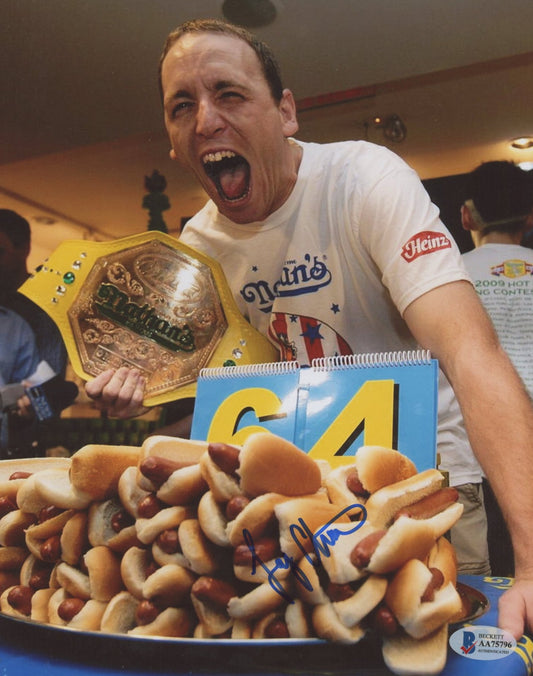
{"points": [[482, 643]]}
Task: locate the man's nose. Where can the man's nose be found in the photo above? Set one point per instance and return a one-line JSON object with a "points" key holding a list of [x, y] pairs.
{"points": [[208, 119]]}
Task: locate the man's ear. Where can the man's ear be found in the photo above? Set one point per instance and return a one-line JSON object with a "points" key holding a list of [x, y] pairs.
{"points": [[287, 110], [22, 252], [467, 220]]}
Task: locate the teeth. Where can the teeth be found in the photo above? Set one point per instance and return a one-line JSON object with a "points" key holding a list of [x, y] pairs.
{"points": [[216, 157]]}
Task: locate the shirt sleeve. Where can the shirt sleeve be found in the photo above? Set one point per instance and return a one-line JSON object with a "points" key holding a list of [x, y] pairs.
{"points": [[402, 230], [26, 356]]}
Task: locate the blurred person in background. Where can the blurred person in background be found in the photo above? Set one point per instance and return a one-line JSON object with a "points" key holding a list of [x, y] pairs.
{"points": [[18, 360], [15, 246], [497, 212]]}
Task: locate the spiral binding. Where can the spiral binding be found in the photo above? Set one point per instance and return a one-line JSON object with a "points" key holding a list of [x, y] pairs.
{"points": [[371, 359], [270, 368]]}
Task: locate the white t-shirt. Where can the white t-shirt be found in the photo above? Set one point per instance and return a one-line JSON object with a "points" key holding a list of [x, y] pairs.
{"points": [[333, 269], [503, 278]]}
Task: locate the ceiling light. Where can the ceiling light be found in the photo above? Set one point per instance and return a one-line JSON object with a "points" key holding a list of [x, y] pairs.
{"points": [[393, 127], [522, 142]]}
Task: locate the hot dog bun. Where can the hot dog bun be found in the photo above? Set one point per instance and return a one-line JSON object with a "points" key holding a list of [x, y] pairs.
{"points": [[54, 487], [443, 557], [200, 554], [303, 515], [270, 464], [407, 656], [129, 491], [9, 486], [373, 468], [180, 452], [134, 569], [293, 621], [119, 615], [183, 486], [213, 520], [222, 484], [170, 517], [175, 622], [408, 539], [169, 585], [327, 625], [310, 590], [103, 568], [256, 516], [96, 468], [383, 505], [337, 562], [101, 527], [89, 617], [43, 539], [74, 538], [258, 602], [422, 595], [12, 558], [39, 604], [210, 597], [362, 602]]}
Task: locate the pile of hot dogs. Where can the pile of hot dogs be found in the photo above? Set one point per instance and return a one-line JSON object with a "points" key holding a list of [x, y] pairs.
{"points": [[188, 539]]}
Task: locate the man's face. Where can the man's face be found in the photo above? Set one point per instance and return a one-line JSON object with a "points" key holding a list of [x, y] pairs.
{"points": [[12, 263], [225, 126]]}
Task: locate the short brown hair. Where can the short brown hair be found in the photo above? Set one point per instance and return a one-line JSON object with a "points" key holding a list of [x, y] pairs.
{"points": [[265, 55], [16, 227], [502, 193]]}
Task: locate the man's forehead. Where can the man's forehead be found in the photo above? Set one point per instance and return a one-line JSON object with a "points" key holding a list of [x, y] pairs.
{"points": [[213, 50]]}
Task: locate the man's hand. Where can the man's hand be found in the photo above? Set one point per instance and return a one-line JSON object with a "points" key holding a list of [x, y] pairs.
{"points": [[24, 408], [119, 393], [515, 609]]}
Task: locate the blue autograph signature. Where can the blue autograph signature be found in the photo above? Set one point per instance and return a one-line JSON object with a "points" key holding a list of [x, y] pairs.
{"points": [[324, 538]]}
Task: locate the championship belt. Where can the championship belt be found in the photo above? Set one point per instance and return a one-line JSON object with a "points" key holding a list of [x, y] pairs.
{"points": [[148, 302]]}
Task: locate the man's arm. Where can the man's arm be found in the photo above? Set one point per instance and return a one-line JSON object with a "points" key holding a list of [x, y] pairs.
{"points": [[451, 322]]}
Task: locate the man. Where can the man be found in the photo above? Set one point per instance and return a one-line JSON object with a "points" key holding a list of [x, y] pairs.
{"points": [[281, 212], [498, 212], [18, 361], [15, 245]]}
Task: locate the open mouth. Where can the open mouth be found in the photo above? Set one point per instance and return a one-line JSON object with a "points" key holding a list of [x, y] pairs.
{"points": [[230, 173]]}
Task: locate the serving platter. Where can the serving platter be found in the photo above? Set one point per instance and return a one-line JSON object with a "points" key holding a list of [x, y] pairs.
{"points": [[159, 654]]}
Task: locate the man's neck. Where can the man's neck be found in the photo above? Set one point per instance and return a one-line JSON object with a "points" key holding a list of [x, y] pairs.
{"points": [[500, 238], [8, 290]]}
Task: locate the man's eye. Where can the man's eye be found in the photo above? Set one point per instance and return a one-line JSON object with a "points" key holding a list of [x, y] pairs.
{"points": [[181, 107], [231, 95]]}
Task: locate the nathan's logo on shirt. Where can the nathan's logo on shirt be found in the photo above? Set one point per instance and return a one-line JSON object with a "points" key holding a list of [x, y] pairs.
{"points": [[423, 243], [512, 268], [296, 279]]}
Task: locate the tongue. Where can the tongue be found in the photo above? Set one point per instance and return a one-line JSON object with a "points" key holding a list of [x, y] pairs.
{"points": [[234, 182]]}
